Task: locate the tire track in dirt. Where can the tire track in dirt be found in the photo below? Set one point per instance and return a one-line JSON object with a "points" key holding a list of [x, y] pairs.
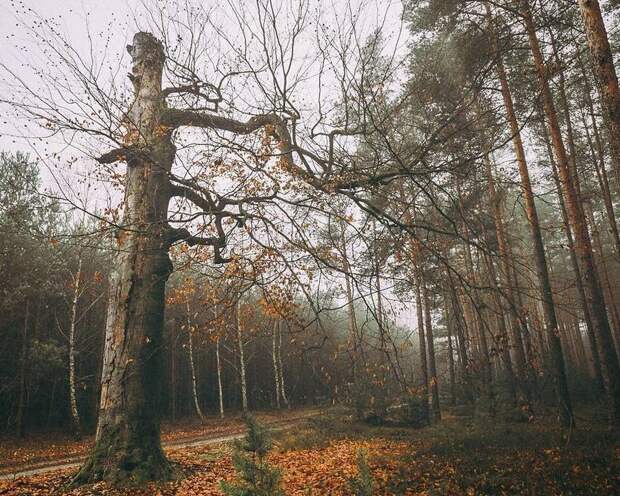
{"points": [[75, 462]]}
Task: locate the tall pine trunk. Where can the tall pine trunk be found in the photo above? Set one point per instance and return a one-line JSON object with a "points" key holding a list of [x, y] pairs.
{"points": [[430, 344], [449, 316], [506, 272], [540, 260], [583, 244], [605, 72], [422, 344], [596, 362]]}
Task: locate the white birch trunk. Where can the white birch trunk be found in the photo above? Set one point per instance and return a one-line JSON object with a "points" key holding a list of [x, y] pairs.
{"points": [[274, 356], [244, 391], [72, 386], [193, 367], [219, 377], [281, 368]]}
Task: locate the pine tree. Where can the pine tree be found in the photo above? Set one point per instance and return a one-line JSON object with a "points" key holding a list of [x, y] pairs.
{"points": [[362, 484], [255, 476]]}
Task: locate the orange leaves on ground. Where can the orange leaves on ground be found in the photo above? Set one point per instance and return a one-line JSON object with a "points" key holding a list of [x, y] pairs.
{"points": [[328, 470], [319, 472]]}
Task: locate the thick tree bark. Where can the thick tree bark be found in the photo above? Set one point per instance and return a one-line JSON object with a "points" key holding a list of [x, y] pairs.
{"points": [[583, 244], [605, 72], [127, 446]]}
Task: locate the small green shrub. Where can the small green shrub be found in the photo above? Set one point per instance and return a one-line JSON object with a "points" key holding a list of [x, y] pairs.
{"points": [[362, 483], [255, 476]]}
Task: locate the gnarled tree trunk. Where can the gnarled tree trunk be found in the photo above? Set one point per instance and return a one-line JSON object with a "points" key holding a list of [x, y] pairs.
{"points": [[127, 447]]}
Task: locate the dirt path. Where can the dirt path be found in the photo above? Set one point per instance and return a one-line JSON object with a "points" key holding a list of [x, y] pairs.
{"points": [[9, 473]]}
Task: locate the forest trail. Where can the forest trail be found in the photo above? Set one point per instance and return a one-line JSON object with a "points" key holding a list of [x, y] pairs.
{"points": [[51, 465]]}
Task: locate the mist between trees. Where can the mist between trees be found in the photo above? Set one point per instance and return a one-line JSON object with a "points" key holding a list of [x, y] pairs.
{"points": [[290, 203]]}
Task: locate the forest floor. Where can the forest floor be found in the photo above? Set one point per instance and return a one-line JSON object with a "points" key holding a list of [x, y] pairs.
{"points": [[40, 453], [459, 456]]}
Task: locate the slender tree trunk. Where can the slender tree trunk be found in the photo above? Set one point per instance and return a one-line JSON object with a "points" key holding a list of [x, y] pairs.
{"points": [[430, 343], [503, 341], [20, 424], [605, 72], [274, 357], [127, 446], [532, 215], [578, 343], [242, 377], [173, 381], [501, 241], [72, 386], [596, 363], [583, 245], [281, 369], [449, 316], [486, 360], [611, 304], [219, 377], [461, 339], [598, 159], [423, 361], [542, 271], [384, 391], [50, 410], [192, 366]]}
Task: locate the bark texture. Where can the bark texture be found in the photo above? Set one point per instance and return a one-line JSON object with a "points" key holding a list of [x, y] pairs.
{"points": [[75, 415], [127, 447], [540, 260], [605, 72], [583, 244]]}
